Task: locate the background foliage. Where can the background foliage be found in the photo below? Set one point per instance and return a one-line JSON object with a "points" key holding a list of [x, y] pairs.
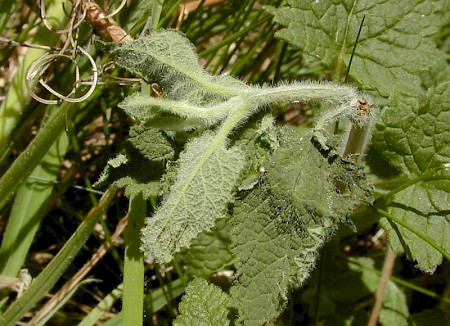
{"points": [[235, 197]]}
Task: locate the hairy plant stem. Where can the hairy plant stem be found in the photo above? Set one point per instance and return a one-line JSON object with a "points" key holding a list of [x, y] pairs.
{"points": [[305, 92]]}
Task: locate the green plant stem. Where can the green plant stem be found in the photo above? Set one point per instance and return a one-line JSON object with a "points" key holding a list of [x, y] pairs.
{"points": [[44, 320], [155, 301], [133, 283], [30, 206], [51, 274], [421, 235], [104, 305], [31, 156]]}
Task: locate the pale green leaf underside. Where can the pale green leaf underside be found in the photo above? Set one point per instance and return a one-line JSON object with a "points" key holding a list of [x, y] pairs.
{"points": [[394, 47], [145, 108], [415, 139], [206, 177], [203, 305], [160, 53], [167, 57]]}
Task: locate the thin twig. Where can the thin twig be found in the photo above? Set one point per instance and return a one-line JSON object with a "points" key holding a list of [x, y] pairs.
{"points": [[388, 266], [28, 45]]}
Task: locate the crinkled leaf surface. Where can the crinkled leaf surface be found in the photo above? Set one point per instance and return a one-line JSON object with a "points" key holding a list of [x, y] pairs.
{"points": [[139, 168], [151, 143], [207, 174], [395, 46], [210, 252], [318, 186], [415, 139], [266, 251], [203, 305], [279, 227]]}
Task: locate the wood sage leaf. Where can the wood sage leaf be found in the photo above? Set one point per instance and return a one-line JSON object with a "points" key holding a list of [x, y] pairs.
{"points": [[279, 227], [203, 304], [415, 140], [396, 44], [208, 172]]}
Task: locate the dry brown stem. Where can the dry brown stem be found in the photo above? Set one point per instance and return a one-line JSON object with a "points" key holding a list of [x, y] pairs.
{"points": [[107, 28]]}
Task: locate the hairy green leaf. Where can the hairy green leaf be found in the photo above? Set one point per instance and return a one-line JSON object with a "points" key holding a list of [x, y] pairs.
{"points": [[131, 176], [161, 53], [395, 46], [210, 252], [140, 110], [204, 305], [169, 58], [279, 227], [271, 255], [207, 174], [415, 139], [262, 258], [319, 185], [258, 140]]}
